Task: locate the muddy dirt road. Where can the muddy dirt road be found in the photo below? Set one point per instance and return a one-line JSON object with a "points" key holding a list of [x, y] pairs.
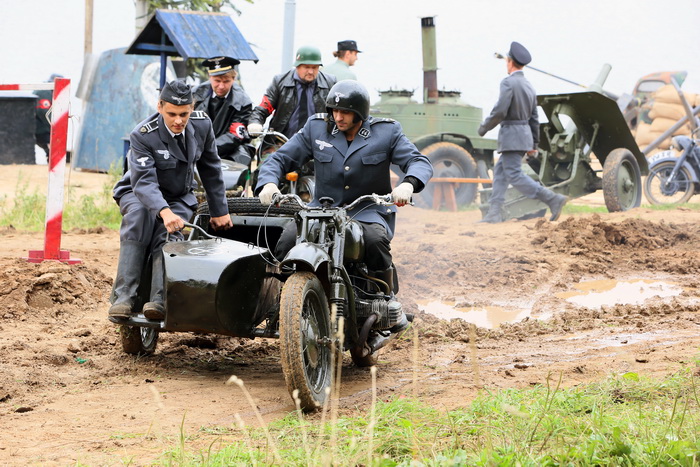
{"points": [[68, 394]]}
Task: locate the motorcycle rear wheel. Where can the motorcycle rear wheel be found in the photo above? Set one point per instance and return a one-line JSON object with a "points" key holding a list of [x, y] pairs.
{"points": [[138, 340], [678, 191], [305, 339]]}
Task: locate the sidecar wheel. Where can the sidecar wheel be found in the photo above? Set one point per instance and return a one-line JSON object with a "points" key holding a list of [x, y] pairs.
{"points": [[658, 190], [305, 336], [137, 340]]}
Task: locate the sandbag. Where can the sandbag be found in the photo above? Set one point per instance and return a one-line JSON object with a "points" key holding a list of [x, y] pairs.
{"points": [[669, 95], [666, 110]]}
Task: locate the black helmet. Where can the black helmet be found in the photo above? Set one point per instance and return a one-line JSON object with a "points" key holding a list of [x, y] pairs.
{"points": [[348, 95]]}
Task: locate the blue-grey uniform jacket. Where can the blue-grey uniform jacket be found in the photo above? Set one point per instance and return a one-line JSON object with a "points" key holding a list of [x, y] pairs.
{"points": [[236, 109], [346, 173], [281, 98], [160, 173], [516, 111]]}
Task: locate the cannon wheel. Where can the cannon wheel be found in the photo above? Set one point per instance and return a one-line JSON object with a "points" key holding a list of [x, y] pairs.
{"points": [[677, 192], [622, 181], [450, 160], [305, 335], [138, 340]]}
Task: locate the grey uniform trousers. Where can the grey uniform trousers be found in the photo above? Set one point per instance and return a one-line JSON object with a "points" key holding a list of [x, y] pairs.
{"points": [[508, 170], [140, 225]]}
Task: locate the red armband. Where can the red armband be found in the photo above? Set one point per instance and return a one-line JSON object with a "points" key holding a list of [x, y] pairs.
{"points": [[238, 130], [267, 105]]}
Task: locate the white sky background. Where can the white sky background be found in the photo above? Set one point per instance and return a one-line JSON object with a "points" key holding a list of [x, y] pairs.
{"points": [[569, 38]]}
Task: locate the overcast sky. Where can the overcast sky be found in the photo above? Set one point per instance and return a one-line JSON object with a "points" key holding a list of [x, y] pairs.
{"points": [[570, 38]]}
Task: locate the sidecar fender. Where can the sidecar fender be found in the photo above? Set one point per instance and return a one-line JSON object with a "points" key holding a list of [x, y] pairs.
{"points": [[306, 256], [654, 162]]}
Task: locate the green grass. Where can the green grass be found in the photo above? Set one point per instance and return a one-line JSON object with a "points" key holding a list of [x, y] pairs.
{"points": [[624, 420], [27, 211]]}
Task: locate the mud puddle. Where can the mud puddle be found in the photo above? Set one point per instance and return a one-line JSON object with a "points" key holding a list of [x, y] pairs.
{"points": [[598, 293]]}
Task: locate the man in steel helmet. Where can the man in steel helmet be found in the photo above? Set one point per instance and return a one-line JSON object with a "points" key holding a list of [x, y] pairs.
{"points": [[352, 153], [295, 95]]}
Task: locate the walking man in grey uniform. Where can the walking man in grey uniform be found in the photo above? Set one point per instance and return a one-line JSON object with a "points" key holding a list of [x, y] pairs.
{"points": [[346, 57], [516, 111], [352, 154], [294, 96], [155, 195]]}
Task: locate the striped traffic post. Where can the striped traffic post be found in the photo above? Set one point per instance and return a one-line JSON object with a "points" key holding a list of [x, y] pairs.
{"points": [[57, 169]]}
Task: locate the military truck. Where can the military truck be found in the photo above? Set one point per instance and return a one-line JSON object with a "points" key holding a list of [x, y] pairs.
{"points": [[443, 127]]}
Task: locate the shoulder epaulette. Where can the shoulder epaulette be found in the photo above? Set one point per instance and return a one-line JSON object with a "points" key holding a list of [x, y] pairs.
{"points": [[319, 116], [150, 126], [382, 120], [199, 115]]}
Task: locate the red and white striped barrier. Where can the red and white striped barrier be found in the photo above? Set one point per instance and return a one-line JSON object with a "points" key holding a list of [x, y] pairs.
{"points": [[57, 169]]}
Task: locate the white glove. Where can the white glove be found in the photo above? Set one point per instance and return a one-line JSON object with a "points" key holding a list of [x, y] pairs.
{"points": [[402, 194], [268, 192], [254, 128]]}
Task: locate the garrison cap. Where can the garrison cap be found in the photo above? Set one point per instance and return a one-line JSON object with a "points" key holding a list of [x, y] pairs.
{"points": [[176, 92], [348, 45], [519, 53], [219, 65]]}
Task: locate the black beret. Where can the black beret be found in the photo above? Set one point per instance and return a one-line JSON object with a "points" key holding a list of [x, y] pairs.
{"points": [[348, 45], [519, 53], [176, 92], [219, 65]]}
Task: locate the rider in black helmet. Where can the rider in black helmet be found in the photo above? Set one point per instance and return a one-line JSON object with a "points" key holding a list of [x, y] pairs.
{"points": [[352, 153]]}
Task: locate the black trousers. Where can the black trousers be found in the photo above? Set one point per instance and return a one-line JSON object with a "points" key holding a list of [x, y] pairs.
{"points": [[377, 245]]}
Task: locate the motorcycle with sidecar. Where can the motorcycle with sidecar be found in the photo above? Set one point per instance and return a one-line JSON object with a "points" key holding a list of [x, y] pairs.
{"points": [[319, 300]]}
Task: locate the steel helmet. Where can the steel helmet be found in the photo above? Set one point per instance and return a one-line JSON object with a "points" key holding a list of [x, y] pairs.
{"points": [[348, 95], [308, 55]]}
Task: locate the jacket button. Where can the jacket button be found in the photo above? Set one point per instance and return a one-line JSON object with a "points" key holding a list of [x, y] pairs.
{"points": [[347, 167], [347, 187]]}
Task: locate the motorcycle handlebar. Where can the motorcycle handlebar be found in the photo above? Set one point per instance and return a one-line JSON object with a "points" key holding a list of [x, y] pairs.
{"points": [[382, 200]]}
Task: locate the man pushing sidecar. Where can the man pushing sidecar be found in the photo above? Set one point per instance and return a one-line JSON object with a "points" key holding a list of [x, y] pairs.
{"points": [[352, 153]]}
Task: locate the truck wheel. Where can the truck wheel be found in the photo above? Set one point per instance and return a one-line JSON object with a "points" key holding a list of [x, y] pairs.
{"points": [[239, 205], [622, 181], [659, 190], [138, 340], [305, 336], [450, 160]]}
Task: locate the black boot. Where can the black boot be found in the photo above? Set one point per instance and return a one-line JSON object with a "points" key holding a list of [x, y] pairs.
{"points": [[494, 215], [555, 201], [126, 284], [395, 309], [155, 309]]}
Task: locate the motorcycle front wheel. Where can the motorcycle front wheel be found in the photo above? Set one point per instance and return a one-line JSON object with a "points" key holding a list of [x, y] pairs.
{"points": [[658, 189], [305, 339]]}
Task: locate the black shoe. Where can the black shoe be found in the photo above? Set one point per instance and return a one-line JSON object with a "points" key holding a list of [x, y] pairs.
{"points": [[154, 311], [120, 310], [556, 205]]}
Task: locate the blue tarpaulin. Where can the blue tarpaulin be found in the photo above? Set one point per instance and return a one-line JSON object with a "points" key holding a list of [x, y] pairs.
{"points": [[190, 34]]}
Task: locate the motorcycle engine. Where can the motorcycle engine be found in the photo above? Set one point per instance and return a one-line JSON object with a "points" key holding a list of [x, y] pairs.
{"points": [[388, 312]]}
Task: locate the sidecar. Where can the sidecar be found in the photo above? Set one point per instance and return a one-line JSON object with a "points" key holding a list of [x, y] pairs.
{"points": [[219, 284]]}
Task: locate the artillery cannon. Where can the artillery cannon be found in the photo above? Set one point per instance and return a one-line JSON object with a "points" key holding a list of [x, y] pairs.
{"points": [[580, 125]]}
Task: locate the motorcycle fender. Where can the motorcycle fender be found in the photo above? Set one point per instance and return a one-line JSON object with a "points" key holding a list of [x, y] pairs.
{"points": [[306, 256], [690, 168]]}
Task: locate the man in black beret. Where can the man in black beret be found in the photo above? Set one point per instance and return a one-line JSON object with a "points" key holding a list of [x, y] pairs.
{"points": [[155, 195], [516, 111], [346, 57], [228, 107]]}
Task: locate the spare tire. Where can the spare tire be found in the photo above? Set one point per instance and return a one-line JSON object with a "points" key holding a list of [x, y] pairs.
{"points": [[453, 161], [253, 206]]}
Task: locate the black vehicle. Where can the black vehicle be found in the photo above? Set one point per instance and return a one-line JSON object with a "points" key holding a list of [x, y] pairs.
{"points": [[673, 180], [319, 300]]}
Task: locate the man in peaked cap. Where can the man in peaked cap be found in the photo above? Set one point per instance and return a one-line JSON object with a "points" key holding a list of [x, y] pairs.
{"points": [[516, 111], [346, 57], [155, 195], [228, 107], [294, 96]]}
